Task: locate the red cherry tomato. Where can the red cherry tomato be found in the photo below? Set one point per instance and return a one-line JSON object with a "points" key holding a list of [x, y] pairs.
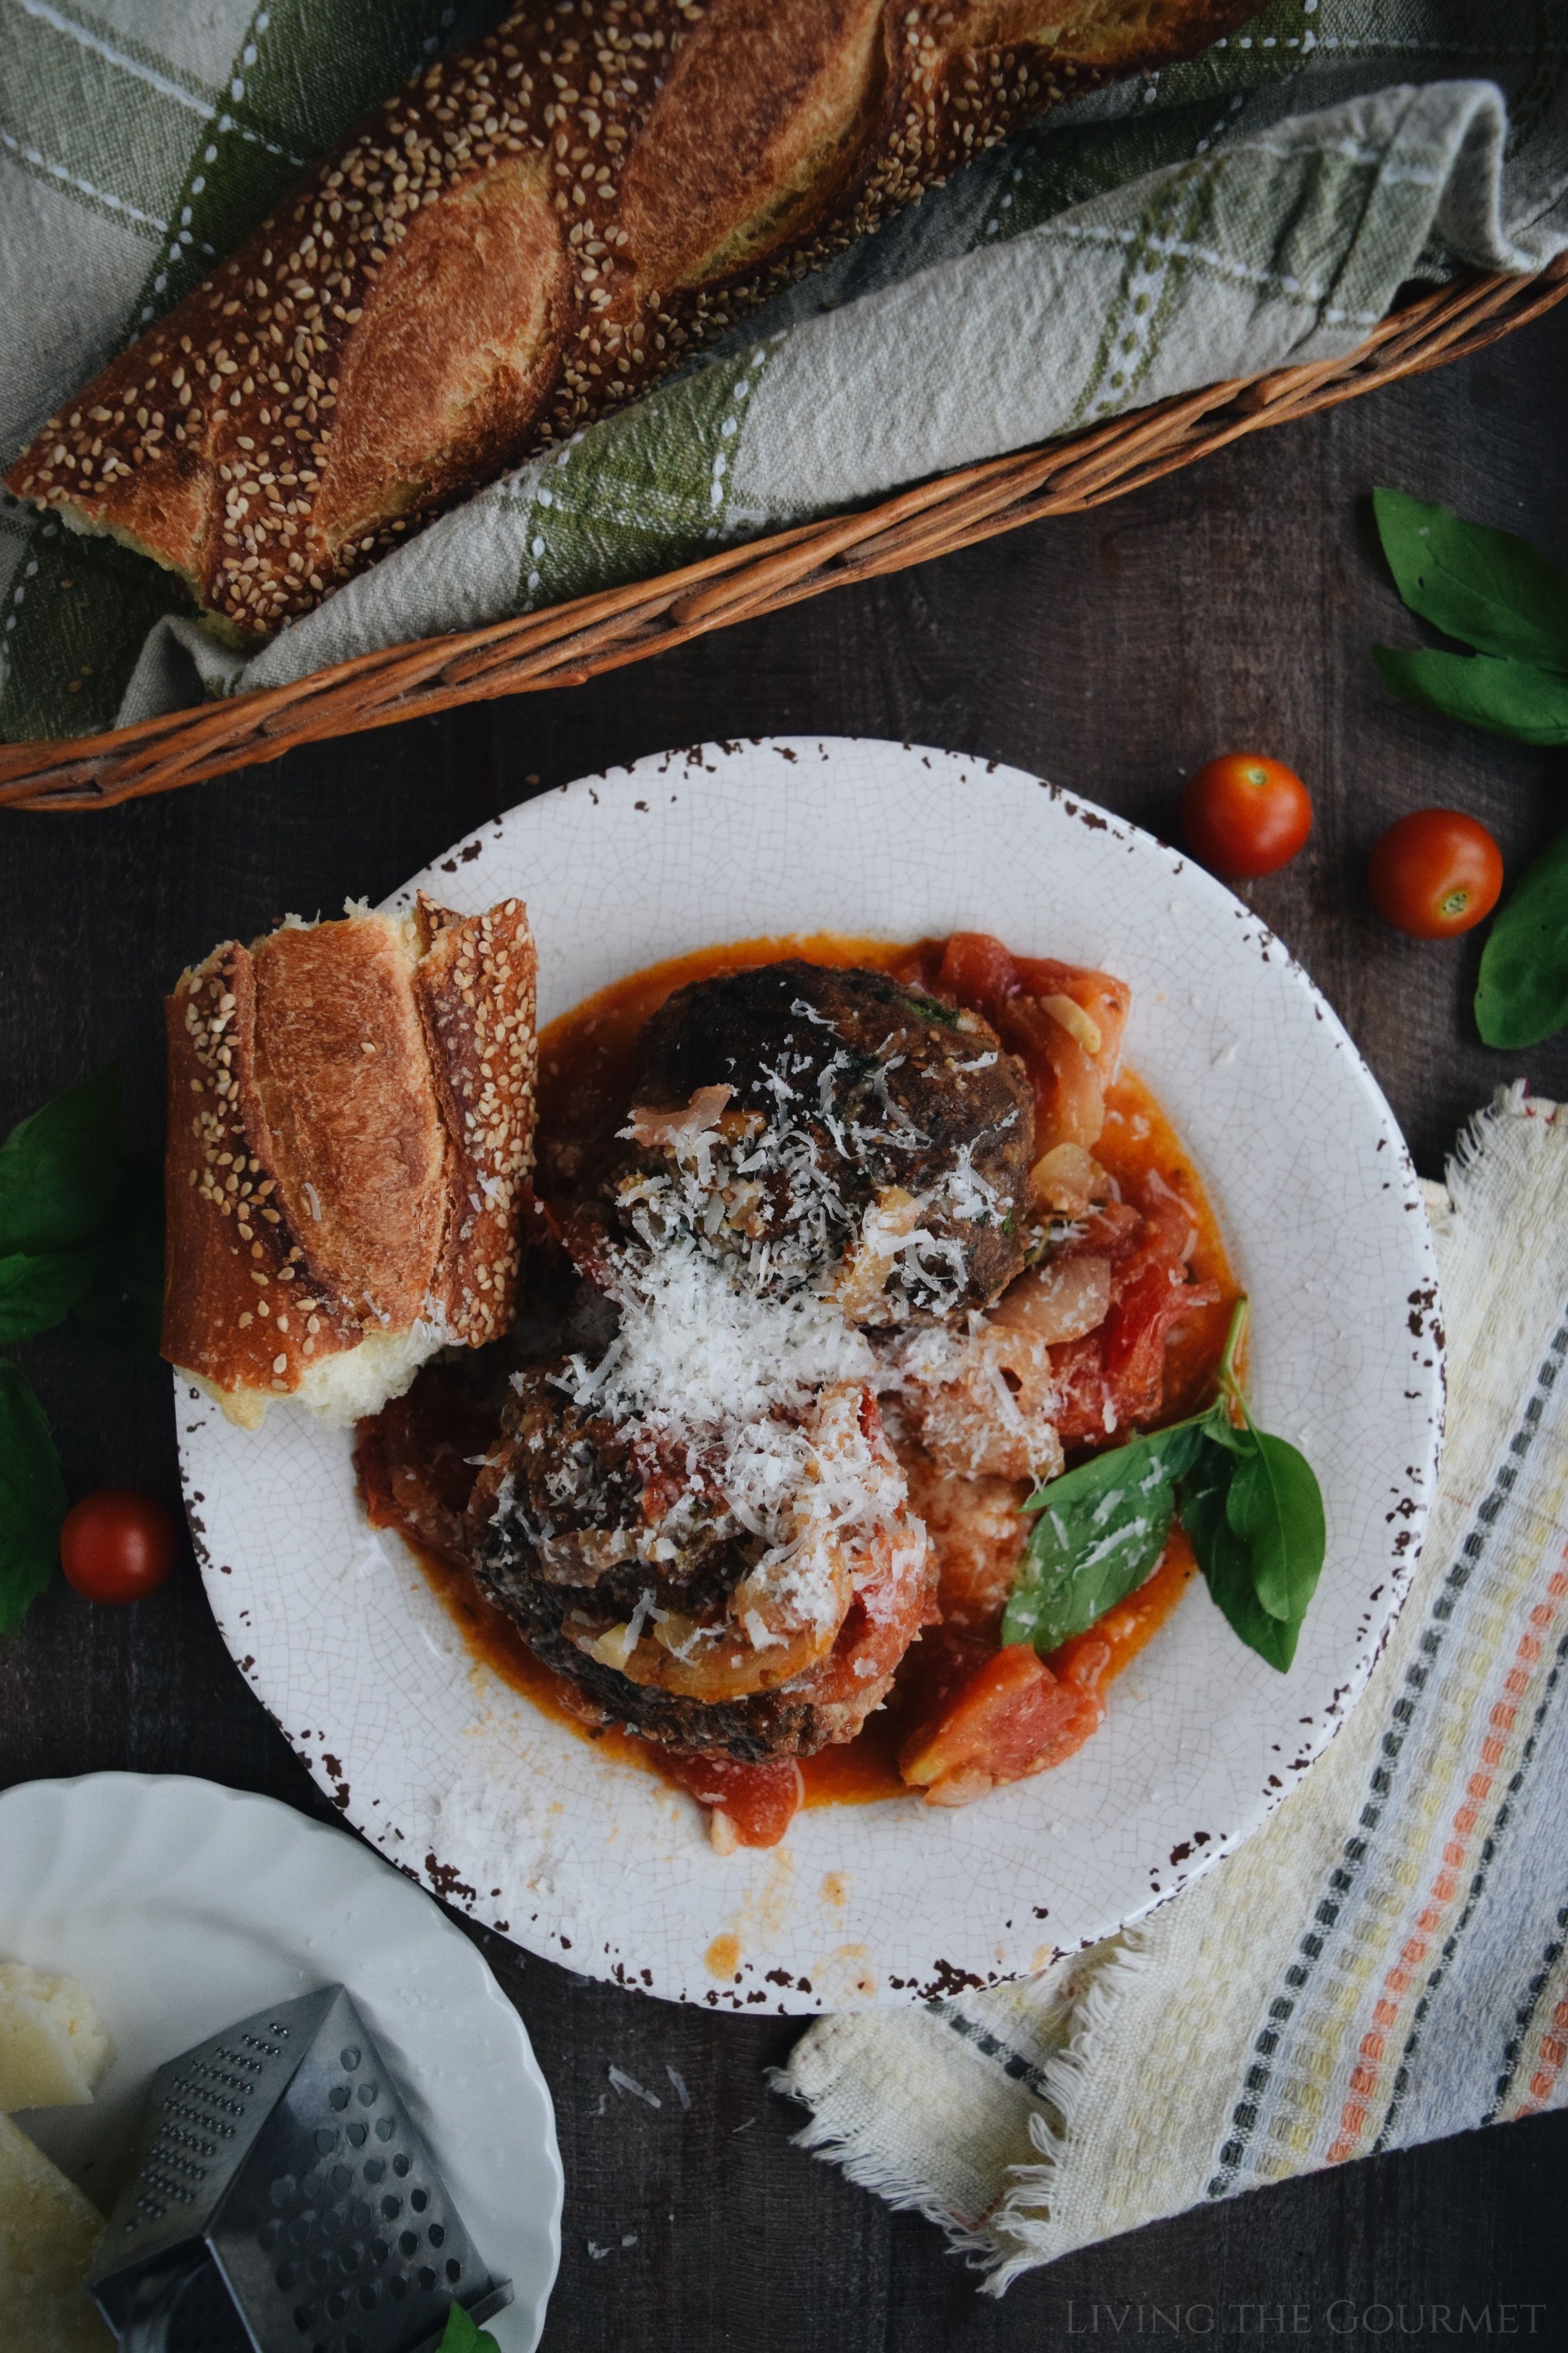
{"points": [[1434, 874], [1244, 815], [116, 1546]]}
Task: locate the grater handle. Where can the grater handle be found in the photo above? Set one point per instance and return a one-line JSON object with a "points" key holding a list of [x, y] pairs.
{"points": [[155, 2302]]}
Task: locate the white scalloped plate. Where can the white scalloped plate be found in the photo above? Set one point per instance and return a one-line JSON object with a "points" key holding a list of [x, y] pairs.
{"points": [[182, 1906], [528, 1827]]}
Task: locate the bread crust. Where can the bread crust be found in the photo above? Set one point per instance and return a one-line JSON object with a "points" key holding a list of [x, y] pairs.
{"points": [[534, 231], [477, 987], [351, 1129]]}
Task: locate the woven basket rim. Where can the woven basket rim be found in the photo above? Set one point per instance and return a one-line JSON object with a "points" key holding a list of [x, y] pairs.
{"points": [[571, 642]]}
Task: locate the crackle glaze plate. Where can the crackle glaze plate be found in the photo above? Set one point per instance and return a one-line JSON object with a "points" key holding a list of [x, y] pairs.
{"points": [[182, 1906], [507, 1813]]}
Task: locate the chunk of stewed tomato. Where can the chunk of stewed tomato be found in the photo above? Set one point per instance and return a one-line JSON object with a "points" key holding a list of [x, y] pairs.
{"points": [[754, 1805], [977, 971], [1009, 1718], [1135, 1330], [1115, 1376]]}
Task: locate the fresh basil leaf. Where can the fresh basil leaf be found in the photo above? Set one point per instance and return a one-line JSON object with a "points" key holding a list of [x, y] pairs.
{"points": [[1276, 1510], [1522, 993], [1099, 1531], [38, 1290], [1219, 1429], [1249, 1502], [1510, 698], [58, 1169], [1225, 1558], [1254, 1511], [123, 1302], [464, 2337], [1494, 591], [32, 1499]]}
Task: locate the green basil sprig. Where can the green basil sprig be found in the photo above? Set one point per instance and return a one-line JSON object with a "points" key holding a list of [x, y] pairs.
{"points": [[1249, 1502], [463, 2335], [1097, 1533], [1492, 591], [81, 1230], [1521, 994], [32, 1499], [1501, 596]]}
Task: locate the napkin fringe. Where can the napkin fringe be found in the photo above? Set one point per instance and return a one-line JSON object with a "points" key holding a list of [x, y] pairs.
{"points": [[1069, 2093], [850, 2148], [1510, 1101], [1072, 2093]]}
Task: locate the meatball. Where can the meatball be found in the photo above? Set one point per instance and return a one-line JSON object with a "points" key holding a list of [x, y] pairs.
{"points": [[821, 1118], [631, 1572]]}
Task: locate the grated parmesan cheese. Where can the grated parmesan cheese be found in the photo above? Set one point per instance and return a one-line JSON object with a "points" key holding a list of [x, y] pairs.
{"points": [[741, 1277], [757, 1383]]}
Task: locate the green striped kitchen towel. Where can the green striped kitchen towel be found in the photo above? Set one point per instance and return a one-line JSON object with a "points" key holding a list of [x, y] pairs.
{"points": [[1259, 206], [1386, 1960]]}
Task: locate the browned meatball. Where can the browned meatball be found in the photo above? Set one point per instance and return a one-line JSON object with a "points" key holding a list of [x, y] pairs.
{"points": [[863, 1121], [629, 1574]]}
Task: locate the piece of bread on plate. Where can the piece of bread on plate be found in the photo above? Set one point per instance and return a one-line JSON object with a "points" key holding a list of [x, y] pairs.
{"points": [[351, 1129], [53, 2044], [530, 235], [48, 2231]]}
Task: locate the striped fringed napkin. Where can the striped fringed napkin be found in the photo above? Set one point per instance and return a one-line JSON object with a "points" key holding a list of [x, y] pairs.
{"points": [[1384, 1963]]}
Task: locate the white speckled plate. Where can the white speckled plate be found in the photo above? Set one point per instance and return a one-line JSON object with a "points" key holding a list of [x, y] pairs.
{"points": [[182, 1906], [574, 1855]]}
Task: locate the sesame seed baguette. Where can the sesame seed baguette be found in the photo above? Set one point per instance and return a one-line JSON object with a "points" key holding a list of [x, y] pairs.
{"points": [[530, 235], [350, 1123]]}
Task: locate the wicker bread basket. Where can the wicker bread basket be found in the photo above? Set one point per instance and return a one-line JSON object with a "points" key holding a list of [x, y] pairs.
{"points": [[574, 642]]}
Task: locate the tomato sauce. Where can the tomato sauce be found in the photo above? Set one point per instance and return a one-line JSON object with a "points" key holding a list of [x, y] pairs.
{"points": [[1138, 1137], [586, 1062]]}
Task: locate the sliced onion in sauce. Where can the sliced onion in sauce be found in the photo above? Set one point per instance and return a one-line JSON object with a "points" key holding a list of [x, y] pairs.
{"points": [[1066, 1179], [1077, 1022], [1060, 1299]]}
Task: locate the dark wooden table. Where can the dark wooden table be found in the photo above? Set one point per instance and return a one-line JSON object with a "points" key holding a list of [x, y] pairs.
{"points": [[1231, 605]]}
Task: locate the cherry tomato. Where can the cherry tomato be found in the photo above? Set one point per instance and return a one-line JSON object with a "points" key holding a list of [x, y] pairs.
{"points": [[116, 1546], [1434, 874], [1244, 815]]}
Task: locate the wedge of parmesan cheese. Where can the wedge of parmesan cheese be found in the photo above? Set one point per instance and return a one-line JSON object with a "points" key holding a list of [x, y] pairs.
{"points": [[48, 2232], [53, 2044]]}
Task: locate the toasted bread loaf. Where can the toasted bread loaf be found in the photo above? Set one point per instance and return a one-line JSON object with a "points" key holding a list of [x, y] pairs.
{"points": [[350, 1122], [530, 235]]}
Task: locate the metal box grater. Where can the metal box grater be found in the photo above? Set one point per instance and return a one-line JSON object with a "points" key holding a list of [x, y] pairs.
{"points": [[284, 2202]]}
